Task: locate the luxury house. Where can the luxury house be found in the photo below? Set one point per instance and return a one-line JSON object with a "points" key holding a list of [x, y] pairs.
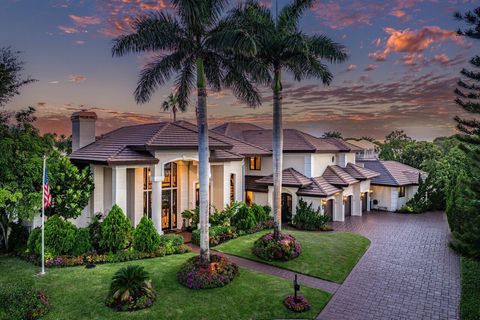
{"points": [[151, 169]]}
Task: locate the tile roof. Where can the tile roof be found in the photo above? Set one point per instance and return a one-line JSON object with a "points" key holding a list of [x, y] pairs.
{"points": [[359, 172], [290, 177], [235, 129], [296, 141], [251, 184], [393, 173], [337, 176], [319, 188], [363, 144]]}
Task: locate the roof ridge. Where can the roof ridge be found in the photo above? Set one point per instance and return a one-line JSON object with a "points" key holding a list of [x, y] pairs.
{"points": [[303, 134], [382, 162], [239, 140], [157, 133], [196, 131]]}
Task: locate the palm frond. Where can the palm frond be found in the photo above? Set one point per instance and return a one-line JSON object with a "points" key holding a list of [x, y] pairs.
{"points": [[289, 16], [184, 83], [152, 32], [240, 85], [156, 74], [323, 47]]}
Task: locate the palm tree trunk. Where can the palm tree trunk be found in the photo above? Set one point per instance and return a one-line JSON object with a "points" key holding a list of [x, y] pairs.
{"points": [[277, 150], [174, 111], [203, 161]]}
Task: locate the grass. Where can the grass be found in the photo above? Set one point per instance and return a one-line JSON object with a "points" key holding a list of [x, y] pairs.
{"points": [[326, 255], [470, 299], [79, 293]]}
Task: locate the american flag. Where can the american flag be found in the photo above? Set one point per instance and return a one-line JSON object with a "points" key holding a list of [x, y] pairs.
{"points": [[47, 197]]}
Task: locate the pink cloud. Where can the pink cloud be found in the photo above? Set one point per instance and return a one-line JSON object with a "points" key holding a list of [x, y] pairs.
{"points": [[378, 56], [371, 67], [77, 78], [85, 20], [68, 30], [351, 67]]}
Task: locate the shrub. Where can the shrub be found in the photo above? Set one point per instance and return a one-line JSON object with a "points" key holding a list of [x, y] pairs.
{"points": [[82, 242], [34, 242], [217, 235], [115, 231], [192, 217], [171, 242], [259, 213], [244, 219], [145, 236], [301, 304], [283, 249], [197, 275], [17, 241], [131, 289], [59, 238], [406, 208], [20, 300], [307, 218], [95, 231]]}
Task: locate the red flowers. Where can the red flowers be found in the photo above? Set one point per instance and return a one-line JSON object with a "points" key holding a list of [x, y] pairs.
{"points": [[301, 304], [285, 248]]}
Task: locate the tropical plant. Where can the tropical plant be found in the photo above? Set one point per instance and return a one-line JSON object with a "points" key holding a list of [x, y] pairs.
{"points": [[282, 46], [307, 218], [172, 104], [204, 50], [115, 231], [244, 219], [11, 79], [332, 134], [145, 236], [131, 289]]}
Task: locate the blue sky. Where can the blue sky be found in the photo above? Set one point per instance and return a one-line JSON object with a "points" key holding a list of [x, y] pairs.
{"points": [[404, 60]]}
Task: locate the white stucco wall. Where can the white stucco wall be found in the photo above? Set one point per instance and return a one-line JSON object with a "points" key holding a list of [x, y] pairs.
{"points": [[320, 162], [384, 196], [260, 198]]}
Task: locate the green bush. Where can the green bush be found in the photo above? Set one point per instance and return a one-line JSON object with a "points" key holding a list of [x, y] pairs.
{"points": [[259, 213], [406, 208], [244, 219], [171, 242], [34, 242], [95, 231], [59, 236], [82, 242], [145, 236], [17, 241], [115, 231], [470, 275], [307, 218], [19, 300], [217, 235], [192, 217]]}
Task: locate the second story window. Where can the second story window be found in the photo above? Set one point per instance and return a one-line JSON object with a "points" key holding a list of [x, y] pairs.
{"points": [[255, 163]]}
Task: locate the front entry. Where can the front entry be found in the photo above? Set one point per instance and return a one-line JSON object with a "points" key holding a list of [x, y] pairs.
{"points": [[348, 206], [286, 208], [329, 209], [364, 201]]}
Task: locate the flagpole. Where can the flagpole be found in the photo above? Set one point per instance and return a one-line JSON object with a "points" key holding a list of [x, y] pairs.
{"points": [[43, 215]]}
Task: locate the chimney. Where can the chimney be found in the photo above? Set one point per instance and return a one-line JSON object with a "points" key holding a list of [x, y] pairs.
{"points": [[83, 128]]}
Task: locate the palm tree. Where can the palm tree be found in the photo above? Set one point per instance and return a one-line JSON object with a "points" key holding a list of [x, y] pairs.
{"points": [[282, 46], [202, 49], [172, 104]]}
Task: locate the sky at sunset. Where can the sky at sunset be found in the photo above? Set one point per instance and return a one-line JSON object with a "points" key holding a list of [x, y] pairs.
{"points": [[404, 59]]}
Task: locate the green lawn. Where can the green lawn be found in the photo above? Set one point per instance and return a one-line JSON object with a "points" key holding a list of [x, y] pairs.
{"points": [[470, 301], [79, 293], [326, 255]]}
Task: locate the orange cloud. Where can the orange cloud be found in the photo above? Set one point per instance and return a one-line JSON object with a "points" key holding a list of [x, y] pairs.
{"points": [[351, 67], [85, 20], [371, 67], [441, 58], [77, 78], [378, 56]]}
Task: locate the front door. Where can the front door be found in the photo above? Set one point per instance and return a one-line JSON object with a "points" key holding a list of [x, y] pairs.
{"points": [[348, 206], [286, 208], [329, 209]]}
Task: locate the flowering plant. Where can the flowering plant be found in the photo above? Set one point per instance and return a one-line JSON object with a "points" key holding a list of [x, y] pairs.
{"points": [[298, 305], [197, 275], [286, 247]]}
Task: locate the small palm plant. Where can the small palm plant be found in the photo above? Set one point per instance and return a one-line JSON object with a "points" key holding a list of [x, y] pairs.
{"points": [[131, 289], [172, 104]]}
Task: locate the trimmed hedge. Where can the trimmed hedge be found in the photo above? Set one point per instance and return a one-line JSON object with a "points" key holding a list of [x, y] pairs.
{"points": [[82, 242], [115, 231], [145, 236]]}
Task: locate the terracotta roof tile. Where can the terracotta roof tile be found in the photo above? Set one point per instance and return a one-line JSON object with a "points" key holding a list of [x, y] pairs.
{"points": [[290, 177], [319, 188], [393, 173], [359, 172], [337, 176], [235, 129]]}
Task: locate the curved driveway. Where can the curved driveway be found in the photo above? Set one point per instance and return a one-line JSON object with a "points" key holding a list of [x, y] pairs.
{"points": [[409, 272]]}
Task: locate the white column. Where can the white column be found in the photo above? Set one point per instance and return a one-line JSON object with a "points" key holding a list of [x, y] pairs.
{"points": [[97, 201], [157, 179], [119, 187]]}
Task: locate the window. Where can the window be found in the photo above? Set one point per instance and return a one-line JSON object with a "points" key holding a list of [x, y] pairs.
{"points": [[401, 192], [232, 188], [169, 196], [248, 198], [333, 159], [255, 163], [147, 192]]}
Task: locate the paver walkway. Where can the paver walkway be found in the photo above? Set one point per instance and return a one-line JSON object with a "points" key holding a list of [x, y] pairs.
{"points": [[409, 272], [279, 272]]}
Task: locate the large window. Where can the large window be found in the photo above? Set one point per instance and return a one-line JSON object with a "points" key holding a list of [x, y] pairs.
{"points": [[255, 163], [169, 196], [147, 193], [401, 192], [249, 198]]}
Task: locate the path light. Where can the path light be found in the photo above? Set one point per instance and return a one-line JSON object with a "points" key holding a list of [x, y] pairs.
{"points": [[296, 288]]}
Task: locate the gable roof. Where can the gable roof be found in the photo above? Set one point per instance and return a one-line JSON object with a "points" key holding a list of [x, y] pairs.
{"points": [[363, 144], [337, 176], [359, 172], [296, 141], [235, 129], [393, 173], [290, 178], [318, 188]]}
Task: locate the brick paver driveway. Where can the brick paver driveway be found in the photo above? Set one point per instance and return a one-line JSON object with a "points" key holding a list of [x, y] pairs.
{"points": [[407, 273]]}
